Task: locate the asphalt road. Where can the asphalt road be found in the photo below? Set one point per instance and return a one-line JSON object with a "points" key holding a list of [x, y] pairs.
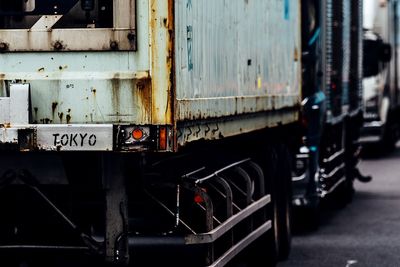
{"points": [[365, 233]]}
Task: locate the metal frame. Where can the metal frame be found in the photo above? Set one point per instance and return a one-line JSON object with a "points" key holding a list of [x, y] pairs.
{"points": [[226, 186], [216, 233], [242, 193], [26, 178]]}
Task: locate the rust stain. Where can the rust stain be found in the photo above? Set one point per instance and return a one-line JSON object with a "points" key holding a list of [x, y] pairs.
{"points": [[296, 55], [114, 45], [61, 116], [46, 121], [35, 109], [142, 91], [4, 46], [116, 86], [41, 69], [68, 117], [162, 63], [58, 45], [53, 108], [170, 62]]}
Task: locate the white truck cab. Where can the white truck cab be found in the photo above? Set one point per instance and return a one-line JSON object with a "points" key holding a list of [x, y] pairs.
{"points": [[380, 82]]}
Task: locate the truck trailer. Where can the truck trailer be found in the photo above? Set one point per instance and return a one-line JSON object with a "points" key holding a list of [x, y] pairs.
{"points": [[326, 161], [149, 130], [381, 128]]}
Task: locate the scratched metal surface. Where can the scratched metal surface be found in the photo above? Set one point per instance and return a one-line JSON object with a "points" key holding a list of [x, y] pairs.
{"points": [[347, 13], [236, 57], [334, 61], [86, 87], [356, 63]]}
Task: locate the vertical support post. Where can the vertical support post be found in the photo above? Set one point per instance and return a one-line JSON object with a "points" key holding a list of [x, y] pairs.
{"points": [[209, 218], [116, 212]]}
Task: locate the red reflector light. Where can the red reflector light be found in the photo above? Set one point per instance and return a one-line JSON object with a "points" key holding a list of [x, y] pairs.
{"points": [[137, 134], [163, 138], [198, 199]]}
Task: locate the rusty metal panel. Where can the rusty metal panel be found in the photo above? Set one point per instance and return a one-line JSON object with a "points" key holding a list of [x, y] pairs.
{"points": [[162, 42], [82, 87], [85, 87], [46, 30], [189, 131], [8, 136], [236, 57]]}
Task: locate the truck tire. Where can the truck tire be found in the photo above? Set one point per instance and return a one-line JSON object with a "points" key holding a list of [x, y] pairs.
{"points": [[390, 137], [275, 245], [264, 251], [340, 197], [306, 218], [283, 198]]}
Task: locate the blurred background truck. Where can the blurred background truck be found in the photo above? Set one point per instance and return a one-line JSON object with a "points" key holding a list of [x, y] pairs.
{"points": [[326, 161], [381, 86]]}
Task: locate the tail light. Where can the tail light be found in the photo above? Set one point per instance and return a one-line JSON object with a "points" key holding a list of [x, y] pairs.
{"points": [[142, 138]]}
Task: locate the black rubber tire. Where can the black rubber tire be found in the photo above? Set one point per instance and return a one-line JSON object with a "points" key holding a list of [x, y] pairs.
{"points": [[346, 192], [282, 195], [264, 251], [275, 244], [307, 219], [341, 196], [389, 139]]}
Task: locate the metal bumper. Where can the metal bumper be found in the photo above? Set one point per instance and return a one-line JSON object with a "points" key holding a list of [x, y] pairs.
{"points": [[62, 137], [372, 132]]}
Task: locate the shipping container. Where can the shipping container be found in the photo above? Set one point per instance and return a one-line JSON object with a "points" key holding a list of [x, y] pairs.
{"points": [[189, 69], [92, 90]]}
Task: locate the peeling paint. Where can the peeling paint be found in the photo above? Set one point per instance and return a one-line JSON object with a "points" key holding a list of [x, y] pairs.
{"points": [[162, 26]]}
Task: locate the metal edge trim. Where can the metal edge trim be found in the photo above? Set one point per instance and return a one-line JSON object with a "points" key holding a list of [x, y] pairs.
{"points": [[232, 252], [228, 224]]}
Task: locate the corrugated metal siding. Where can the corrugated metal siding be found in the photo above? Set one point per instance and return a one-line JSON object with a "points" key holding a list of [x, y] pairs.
{"points": [[336, 57], [346, 50], [335, 87], [356, 68], [327, 58], [236, 57]]}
